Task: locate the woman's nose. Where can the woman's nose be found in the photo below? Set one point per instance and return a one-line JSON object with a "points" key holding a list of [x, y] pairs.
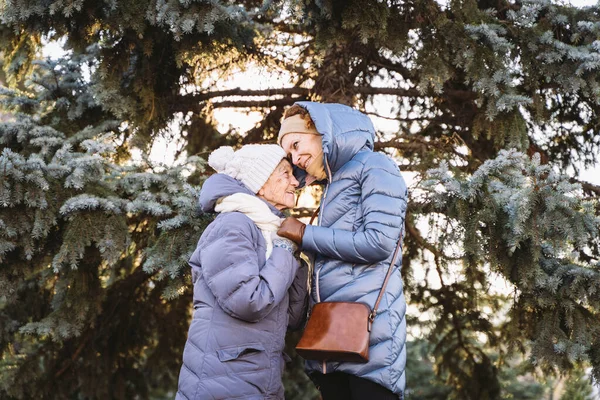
{"points": [[294, 182], [295, 158]]}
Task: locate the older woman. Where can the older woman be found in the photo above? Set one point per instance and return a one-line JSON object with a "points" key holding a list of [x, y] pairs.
{"points": [[248, 285], [361, 218]]}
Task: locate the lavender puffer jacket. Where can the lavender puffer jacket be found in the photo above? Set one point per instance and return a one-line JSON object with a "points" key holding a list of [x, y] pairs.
{"points": [[243, 304]]}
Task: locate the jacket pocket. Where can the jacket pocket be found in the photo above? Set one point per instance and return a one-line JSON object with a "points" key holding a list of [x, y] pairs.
{"points": [[244, 369], [248, 357]]}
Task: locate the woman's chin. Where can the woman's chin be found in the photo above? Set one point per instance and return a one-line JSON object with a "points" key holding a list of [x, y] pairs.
{"points": [[284, 206], [290, 200], [289, 204]]}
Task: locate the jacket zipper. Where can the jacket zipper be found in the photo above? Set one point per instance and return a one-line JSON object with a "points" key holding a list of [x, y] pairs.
{"points": [[319, 224]]}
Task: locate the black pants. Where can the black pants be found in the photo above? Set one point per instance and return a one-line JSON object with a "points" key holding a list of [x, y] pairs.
{"points": [[341, 386]]}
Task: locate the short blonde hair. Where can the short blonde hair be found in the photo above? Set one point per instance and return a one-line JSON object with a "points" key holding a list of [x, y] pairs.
{"points": [[299, 110]]}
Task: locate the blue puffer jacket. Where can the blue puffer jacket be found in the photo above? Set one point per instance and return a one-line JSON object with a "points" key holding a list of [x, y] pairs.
{"points": [[243, 304], [361, 218]]}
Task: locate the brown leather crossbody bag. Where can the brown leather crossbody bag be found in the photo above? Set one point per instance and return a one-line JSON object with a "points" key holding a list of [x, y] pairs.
{"points": [[339, 330]]}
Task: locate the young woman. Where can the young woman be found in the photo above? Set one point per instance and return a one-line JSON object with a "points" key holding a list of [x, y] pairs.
{"points": [[248, 284], [360, 222]]}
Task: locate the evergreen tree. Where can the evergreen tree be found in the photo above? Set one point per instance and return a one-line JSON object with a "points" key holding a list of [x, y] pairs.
{"points": [[92, 251], [424, 383], [516, 380], [494, 105], [578, 386]]}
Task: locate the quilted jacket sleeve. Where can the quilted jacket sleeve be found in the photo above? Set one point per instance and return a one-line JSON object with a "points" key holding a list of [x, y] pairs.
{"points": [[243, 288], [384, 199]]}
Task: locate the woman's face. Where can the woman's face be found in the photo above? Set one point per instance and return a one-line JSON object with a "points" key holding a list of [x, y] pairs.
{"points": [[280, 188], [305, 150]]}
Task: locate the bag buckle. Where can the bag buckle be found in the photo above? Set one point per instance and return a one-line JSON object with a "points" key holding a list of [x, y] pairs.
{"points": [[370, 321]]}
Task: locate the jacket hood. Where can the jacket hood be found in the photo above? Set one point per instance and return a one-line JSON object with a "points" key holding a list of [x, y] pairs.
{"points": [[221, 185], [345, 131]]}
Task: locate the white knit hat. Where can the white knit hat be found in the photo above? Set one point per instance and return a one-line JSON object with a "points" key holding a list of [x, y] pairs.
{"points": [[252, 164]]}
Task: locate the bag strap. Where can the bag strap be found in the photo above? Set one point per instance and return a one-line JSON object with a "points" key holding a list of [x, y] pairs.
{"points": [[385, 282], [314, 215]]}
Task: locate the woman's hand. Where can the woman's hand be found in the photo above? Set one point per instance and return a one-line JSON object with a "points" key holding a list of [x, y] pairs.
{"points": [[292, 229]]}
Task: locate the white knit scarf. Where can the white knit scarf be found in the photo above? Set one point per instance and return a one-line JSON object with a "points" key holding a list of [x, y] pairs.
{"points": [[255, 209]]}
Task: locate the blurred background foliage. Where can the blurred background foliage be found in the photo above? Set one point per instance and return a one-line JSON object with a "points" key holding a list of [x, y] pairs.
{"points": [[490, 108]]}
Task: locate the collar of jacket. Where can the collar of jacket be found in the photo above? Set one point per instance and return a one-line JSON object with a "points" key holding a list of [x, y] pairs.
{"points": [[221, 185]]}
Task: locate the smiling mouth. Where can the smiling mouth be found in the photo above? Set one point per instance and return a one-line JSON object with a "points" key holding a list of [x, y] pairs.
{"points": [[307, 163]]}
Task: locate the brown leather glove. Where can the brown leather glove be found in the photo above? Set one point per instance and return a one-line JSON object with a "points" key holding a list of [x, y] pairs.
{"points": [[292, 229]]}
